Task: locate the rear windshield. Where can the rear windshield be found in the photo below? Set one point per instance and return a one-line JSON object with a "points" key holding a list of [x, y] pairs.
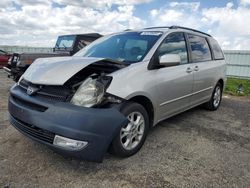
{"points": [[129, 47]]}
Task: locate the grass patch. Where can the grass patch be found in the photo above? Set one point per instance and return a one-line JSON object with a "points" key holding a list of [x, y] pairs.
{"points": [[233, 86]]}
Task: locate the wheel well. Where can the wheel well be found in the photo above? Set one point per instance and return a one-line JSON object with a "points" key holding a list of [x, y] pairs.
{"points": [[221, 82], [147, 104]]}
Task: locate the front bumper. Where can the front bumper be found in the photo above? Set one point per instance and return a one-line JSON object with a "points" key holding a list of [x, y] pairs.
{"points": [[42, 120]]}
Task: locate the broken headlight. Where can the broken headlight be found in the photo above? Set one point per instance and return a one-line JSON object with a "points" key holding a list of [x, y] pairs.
{"points": [[89, 93]]}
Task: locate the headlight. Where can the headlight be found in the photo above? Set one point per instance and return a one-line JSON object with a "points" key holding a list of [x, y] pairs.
{"points": [[89, 93]]}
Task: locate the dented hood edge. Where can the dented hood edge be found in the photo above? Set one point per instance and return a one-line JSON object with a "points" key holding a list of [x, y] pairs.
{"points": [[56, 70]]}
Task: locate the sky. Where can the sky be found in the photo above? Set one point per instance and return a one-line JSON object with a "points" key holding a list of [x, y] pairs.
{"points": [[37, 23]]}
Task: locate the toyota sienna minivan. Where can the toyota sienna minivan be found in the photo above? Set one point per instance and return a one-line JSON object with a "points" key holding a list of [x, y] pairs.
{"points": [[108, 95]]}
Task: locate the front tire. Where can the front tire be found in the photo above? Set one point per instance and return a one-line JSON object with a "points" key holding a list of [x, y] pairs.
{"points": [[132, 136], [215, 99]]}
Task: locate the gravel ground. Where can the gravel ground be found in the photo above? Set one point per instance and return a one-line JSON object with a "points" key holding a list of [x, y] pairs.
{"points": [[197, 148]]}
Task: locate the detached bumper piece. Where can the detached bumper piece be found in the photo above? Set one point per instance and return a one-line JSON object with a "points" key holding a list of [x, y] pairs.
{"points": [[70, 130], [8, 70]]}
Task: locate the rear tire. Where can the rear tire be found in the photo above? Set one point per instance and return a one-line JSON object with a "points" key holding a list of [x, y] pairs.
{"points": [[132, 136], [215, 100]]}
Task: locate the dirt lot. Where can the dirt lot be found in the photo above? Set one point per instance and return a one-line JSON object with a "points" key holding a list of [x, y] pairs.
{"points": [[197, 148]]}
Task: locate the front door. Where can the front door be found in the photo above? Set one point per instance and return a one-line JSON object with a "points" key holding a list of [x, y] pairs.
{"points": [[175, 83]]}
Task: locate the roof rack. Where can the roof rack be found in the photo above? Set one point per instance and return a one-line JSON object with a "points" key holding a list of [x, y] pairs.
{"points": [[180, 27], [160, 27]]}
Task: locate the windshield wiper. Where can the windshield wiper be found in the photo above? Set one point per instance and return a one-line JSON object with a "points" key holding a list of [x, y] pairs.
{"points": [[115, 61], [119, 61], [130, 62]]}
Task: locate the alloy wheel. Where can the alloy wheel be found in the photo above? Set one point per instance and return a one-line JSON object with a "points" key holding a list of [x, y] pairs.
{"points": [[217, 96], [131, 134]]}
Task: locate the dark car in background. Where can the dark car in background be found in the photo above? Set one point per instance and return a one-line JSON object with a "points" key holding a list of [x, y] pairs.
{"points": [[66, 45], [4, 58]]}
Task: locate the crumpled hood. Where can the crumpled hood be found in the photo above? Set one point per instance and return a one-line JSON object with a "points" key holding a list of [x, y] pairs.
{"points": [[56, 70]]}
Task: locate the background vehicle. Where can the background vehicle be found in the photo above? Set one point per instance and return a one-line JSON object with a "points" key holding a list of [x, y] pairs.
{"points": [[109, 94], [4, 58], [66, 45]]}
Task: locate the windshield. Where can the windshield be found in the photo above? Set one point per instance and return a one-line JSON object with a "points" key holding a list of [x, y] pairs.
{"points": [[130, 47], [65, 41]]}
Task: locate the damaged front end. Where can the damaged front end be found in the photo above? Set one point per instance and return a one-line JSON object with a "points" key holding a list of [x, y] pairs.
{"points": [[77, 118], [86, 88], [90, 84]]}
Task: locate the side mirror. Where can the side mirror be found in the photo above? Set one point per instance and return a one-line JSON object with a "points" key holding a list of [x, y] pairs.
{"points": [[168, 60]]}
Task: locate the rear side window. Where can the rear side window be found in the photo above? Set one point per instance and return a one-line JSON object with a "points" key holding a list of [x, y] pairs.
{"points": [[218, 54], [199, 48]]}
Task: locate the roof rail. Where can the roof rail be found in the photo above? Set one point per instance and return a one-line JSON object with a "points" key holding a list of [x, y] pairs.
{"points": [[159, 27], [180, 27]]}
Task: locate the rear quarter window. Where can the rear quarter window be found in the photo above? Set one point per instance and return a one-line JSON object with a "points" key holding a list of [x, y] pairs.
{"points": [[218, 54], [200, 50]]}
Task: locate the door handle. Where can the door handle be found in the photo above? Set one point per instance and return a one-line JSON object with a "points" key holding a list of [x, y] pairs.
{"points": [[196, 68], [189, 70]]}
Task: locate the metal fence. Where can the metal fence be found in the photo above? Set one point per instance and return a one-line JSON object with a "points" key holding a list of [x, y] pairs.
{"points": [[238, 63], [26, 49]]}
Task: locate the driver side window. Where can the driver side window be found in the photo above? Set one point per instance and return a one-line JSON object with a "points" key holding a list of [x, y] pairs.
{"points": [[174, 43]]}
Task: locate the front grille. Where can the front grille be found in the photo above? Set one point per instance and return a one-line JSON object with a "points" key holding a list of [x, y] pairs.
{"points": [[51, 97], [33, 131], [50, 93]]}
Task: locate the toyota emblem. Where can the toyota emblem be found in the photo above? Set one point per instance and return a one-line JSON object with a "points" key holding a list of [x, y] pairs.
{"points": [[30, 90]]}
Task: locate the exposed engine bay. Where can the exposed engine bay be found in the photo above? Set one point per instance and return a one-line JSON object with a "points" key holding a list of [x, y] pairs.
{"points": [[96, 70], [94, 77], [86, 88]]}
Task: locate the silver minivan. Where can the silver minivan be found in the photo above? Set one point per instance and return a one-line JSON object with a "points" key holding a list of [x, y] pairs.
{"points": [[108, 95]]}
